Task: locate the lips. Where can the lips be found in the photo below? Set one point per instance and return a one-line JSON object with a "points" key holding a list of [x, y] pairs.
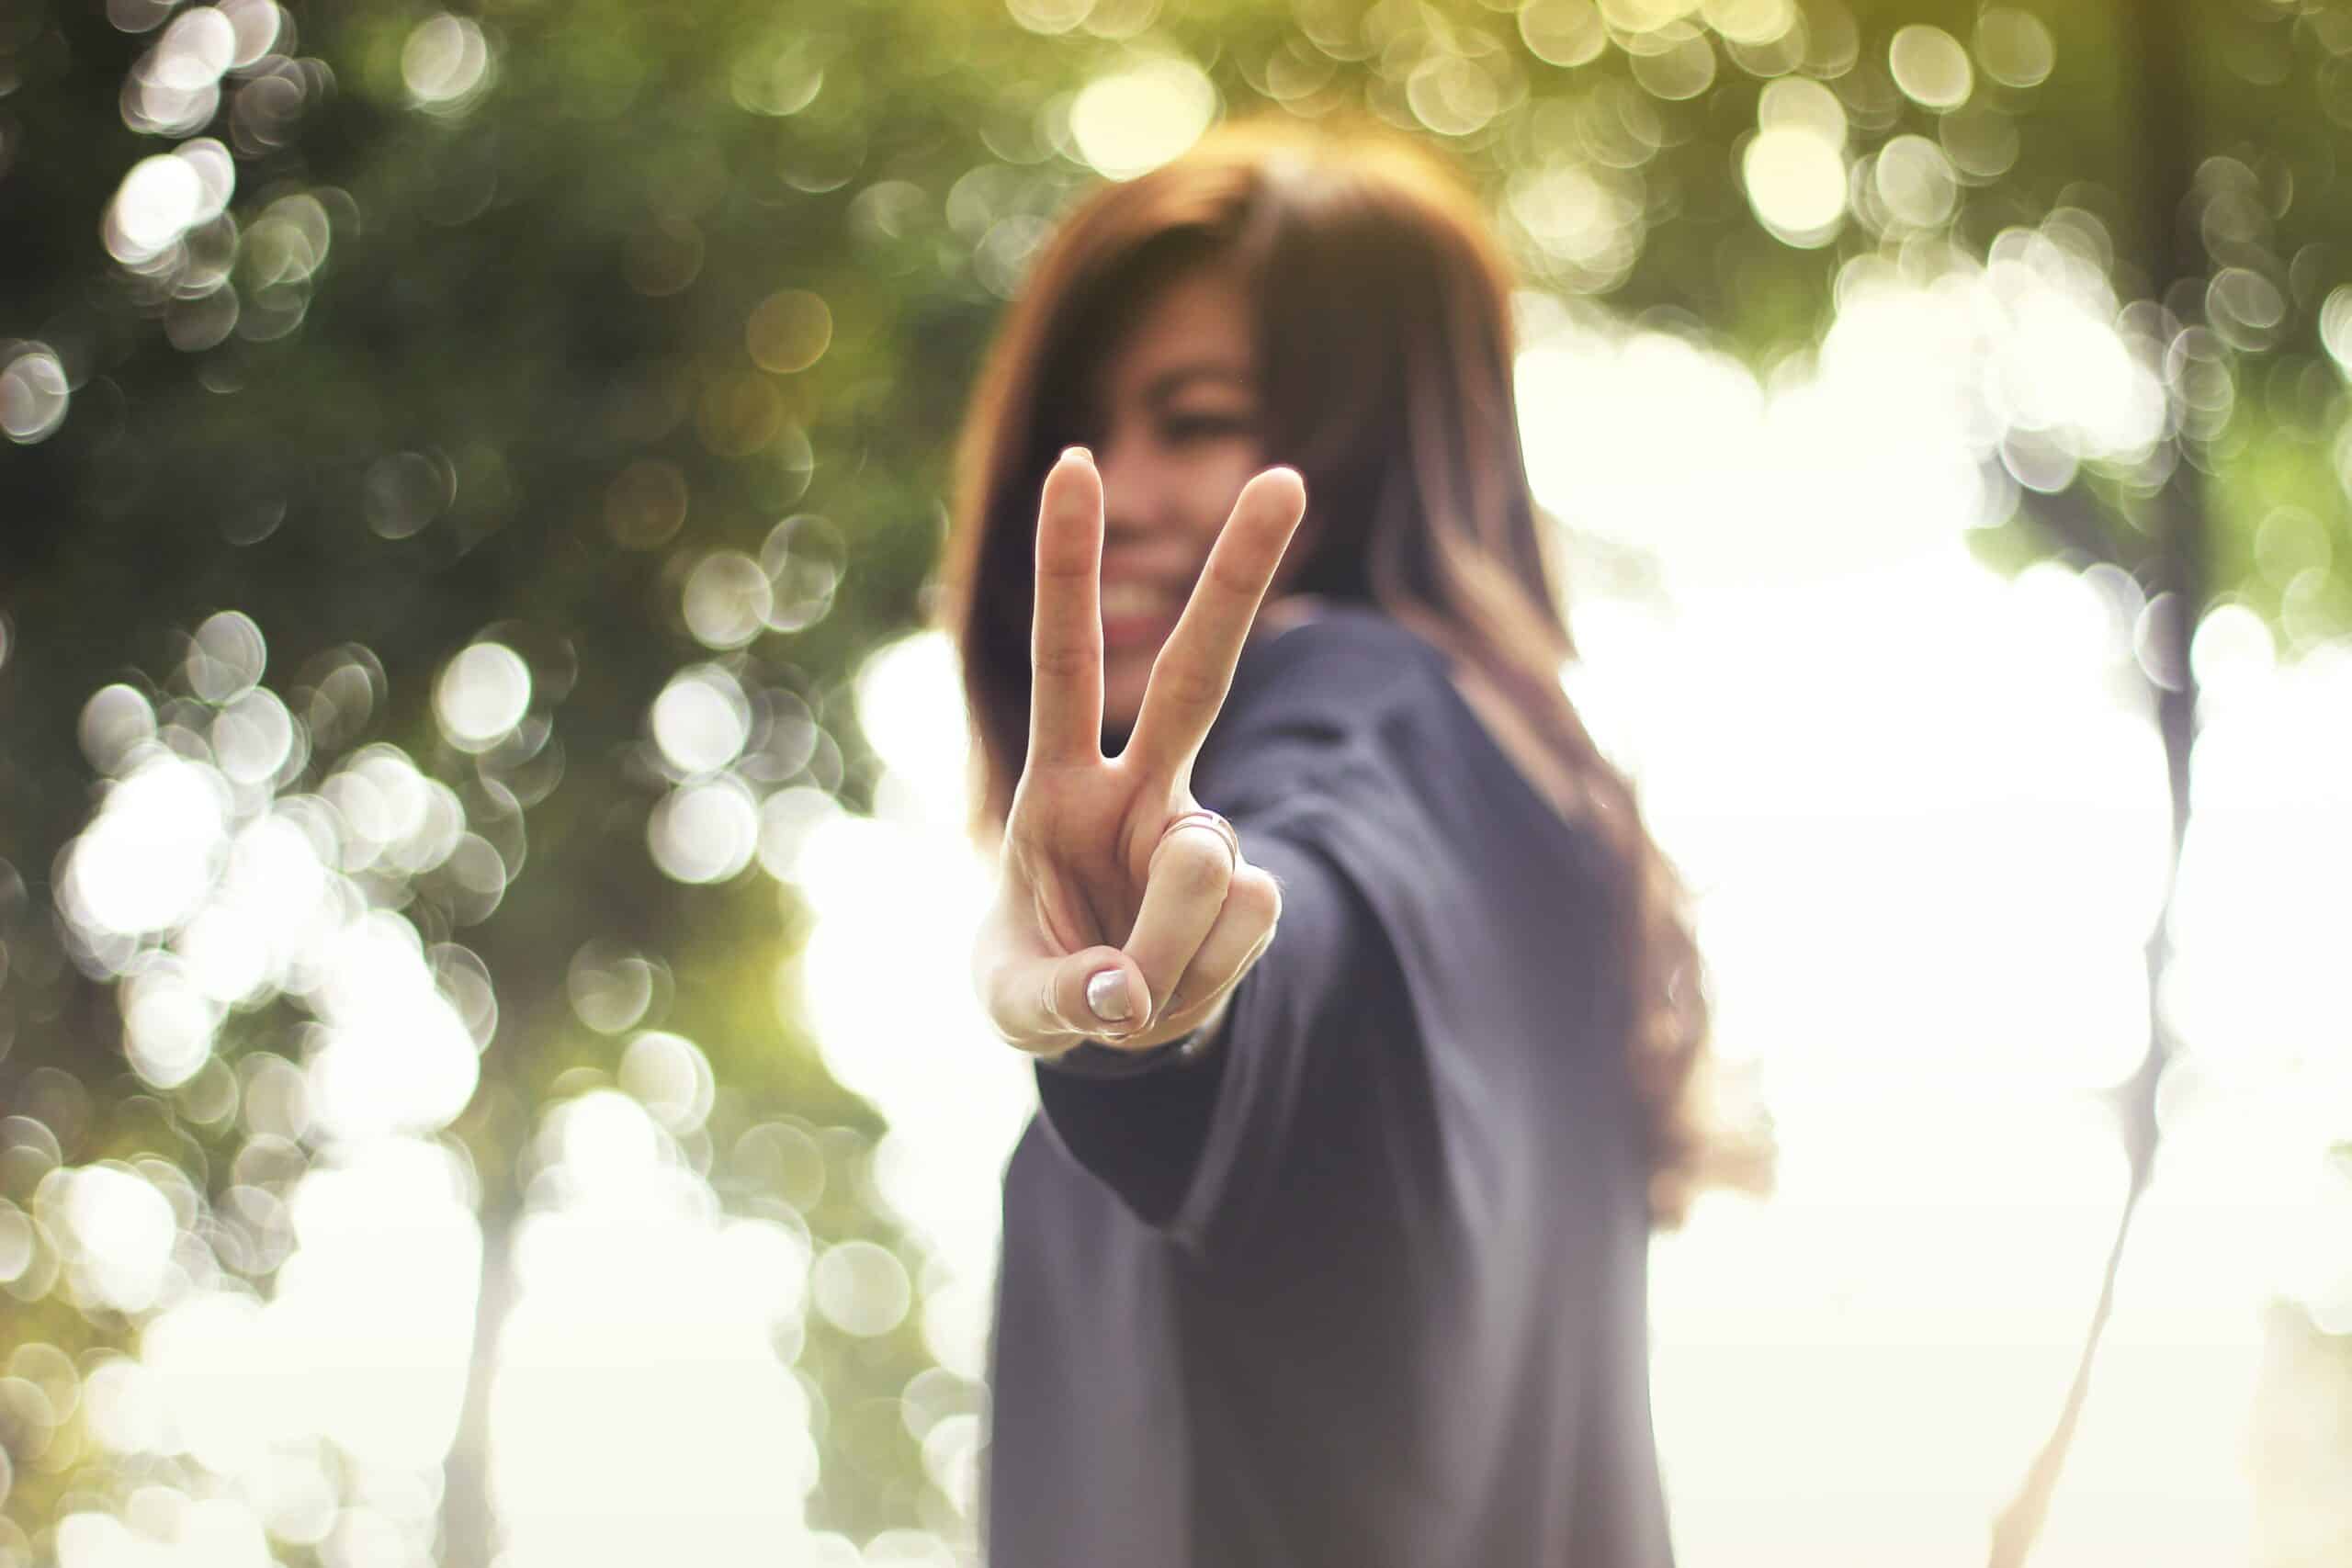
{"points": [[1126, 598], [1136, 611]]}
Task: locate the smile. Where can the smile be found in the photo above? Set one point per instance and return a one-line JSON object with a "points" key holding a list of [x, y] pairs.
{"points": [[1140, 601]]}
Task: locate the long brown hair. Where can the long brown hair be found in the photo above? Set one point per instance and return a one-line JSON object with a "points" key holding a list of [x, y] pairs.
{"points": [[1382, 307]]}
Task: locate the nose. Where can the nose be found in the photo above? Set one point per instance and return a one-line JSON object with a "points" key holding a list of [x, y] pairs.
{"points": [[1128, 491]]}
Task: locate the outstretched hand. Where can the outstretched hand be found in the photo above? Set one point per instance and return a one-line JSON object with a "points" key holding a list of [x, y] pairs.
{"points": [[1124, 912]]}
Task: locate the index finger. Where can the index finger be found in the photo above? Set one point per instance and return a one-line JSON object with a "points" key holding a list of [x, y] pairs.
{"points": [[1066, 627], [1195, 669]]}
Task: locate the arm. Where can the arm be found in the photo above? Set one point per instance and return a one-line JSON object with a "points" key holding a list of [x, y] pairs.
{"points": [[1192, 1142], [1091, 1059]]}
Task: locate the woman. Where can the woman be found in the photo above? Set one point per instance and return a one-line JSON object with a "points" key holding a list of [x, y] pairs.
{"points": [[1367, 1033]]}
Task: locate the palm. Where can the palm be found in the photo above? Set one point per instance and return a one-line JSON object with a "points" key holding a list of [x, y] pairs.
{"points": [[1097, 825], [1084, 837]]}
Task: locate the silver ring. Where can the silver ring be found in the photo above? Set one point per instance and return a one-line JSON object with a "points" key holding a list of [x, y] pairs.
{"points": [[1204, 817]]}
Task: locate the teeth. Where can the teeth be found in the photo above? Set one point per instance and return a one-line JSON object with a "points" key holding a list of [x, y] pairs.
{"points": [[1124, 599]]}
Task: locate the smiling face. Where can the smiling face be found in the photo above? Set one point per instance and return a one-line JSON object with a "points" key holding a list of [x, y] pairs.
{"points": [[1174, 428]]}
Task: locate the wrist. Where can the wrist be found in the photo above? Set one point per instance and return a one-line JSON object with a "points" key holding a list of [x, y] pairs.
{"points": [[1103, 1058]]}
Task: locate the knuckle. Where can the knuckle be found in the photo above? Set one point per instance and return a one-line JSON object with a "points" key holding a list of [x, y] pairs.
{"points": [[1257, 901], [1061, 661], [1192, 686], [1195, 861]]}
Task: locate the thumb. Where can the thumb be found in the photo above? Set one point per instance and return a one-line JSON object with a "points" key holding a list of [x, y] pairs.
{"points": [[1040, 1003]]}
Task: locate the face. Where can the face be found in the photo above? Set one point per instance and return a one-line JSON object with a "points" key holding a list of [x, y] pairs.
{"points": [[1175, 433]]}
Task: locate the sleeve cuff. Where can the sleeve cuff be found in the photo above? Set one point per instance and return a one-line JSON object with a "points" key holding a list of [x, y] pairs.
{"points": [[1091, 1059]]}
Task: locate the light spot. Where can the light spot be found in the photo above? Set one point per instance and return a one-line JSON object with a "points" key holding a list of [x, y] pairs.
{"points": [[119, 1231], [610, 988], [33, 395], [155, 204], [1915, 182], [861, 1289], [727, 600], [150, 857], [1141, 118], [1930, 66], [702, 719], [227, 657], [445, 60], [115, 723], [2014, 47], [704, 832], [1796, 182], [671, 1078], [483, 692], [194, 50], [789, 332], [804, 557], [1562, 32]]}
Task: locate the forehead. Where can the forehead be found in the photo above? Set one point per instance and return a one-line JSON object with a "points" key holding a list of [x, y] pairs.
{"points": [[1198, 317]]}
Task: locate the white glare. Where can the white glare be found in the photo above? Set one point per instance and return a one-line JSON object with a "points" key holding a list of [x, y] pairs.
{"points": [[705, 831], [697, 1446], [483, 692], [121, 1230], [396, 1056], [150, 855], [1796, 181], [898, 688], [156, 202], [194, 50], [1141, 118], [702, 719]]}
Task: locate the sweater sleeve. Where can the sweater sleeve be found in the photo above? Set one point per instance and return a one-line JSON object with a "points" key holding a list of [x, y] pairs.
{"points": [[1189, 1140], [1316, 1109], [1173, 1137]]}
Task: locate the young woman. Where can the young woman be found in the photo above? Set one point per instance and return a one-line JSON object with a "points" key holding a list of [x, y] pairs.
{"points": [[1367, 1029]]}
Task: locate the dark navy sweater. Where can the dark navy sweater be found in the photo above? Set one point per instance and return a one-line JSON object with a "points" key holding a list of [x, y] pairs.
{"points": [[1364, 1284]]}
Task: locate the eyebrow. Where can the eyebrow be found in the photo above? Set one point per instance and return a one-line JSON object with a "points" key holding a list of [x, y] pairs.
{"points": [[1169, 381]]}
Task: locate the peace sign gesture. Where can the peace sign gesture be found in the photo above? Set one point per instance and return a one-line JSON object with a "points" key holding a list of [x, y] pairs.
{"points": [[1124, 912]]}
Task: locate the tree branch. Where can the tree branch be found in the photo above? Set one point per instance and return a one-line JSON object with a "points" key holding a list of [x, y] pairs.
{"points": [[2074, 521]]}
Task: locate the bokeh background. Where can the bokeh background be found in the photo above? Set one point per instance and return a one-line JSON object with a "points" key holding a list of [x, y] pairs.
{"points": [[486, 1075]]}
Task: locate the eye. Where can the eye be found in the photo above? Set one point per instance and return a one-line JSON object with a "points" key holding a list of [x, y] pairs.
{"points": [[1179, 428]]}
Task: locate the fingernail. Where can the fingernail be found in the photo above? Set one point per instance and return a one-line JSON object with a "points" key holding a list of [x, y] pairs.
{"points": [[1081, 453], [1107, 994]]}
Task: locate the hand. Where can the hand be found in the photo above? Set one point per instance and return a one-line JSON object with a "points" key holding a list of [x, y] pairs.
{"points": [[1110, 865]]}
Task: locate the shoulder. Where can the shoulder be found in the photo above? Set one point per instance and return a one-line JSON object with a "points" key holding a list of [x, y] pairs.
{"points": [[1310, 622], [1347, 699], [1312, 699], [1333, 659]]}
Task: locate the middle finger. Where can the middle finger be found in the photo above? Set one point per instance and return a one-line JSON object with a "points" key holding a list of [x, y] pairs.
{"points": [[1252, 909], [1194, 668]]}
